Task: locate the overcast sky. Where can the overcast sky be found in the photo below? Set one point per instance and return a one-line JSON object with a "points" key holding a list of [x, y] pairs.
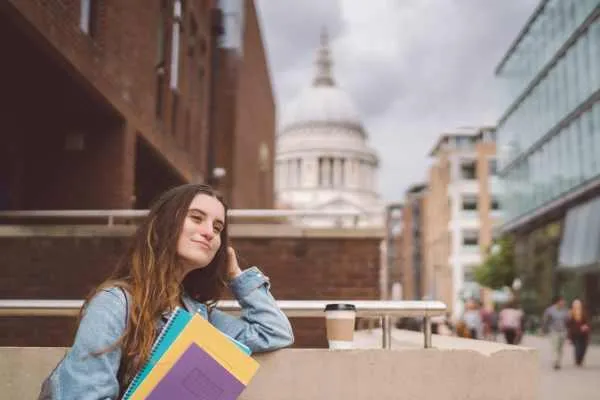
{"points": [[414, 68]]}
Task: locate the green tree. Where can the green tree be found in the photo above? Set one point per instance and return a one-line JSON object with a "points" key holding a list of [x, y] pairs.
{"points": [[498, 269]]}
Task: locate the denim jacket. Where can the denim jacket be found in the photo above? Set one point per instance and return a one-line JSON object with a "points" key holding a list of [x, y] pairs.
{"points": [[84, 376]]}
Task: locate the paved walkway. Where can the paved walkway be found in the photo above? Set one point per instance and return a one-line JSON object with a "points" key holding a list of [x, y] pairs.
{"points": [[569, 382]]}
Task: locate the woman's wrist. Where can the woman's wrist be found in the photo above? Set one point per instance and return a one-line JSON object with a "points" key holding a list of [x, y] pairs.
{"points": [[232, 274]]}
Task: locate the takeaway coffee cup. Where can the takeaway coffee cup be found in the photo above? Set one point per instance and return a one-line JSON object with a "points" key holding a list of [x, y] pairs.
{"points": [[340, 325]]}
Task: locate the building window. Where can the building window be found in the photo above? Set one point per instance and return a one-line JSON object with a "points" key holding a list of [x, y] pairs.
{"points": [[468, 170], [494, 204], [175, 34], [233, 21], [88, 16], [470, 238], [191, 64], [469, 203], [463, 142], [489, 136], [161, 34], [493, 166], [160, 59], [331, 171], [469, 274]]}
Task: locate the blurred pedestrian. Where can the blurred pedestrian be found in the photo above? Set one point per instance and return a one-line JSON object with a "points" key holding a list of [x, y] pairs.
{"points": [[579, 331], [472, 319], [555, 324], [511, 322], [490, 322]]}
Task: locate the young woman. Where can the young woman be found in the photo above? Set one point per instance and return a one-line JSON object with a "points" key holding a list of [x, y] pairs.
{"points": [[179, 257], [579, 331]]}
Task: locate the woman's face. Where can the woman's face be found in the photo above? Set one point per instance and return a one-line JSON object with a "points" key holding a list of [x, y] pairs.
{"points": [[201, 233], [576, 305]]}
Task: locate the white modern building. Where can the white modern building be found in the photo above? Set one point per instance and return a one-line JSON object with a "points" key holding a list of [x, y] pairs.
{"points": [[463, 211], [323, 159]]}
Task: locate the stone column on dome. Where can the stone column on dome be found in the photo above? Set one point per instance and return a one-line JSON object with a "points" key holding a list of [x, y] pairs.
{"points": [[348, 172], [353, 178], [296, 169], [291, 173], [316, 171], [308, 172], [337, 172], [343, 172], [325, 171]]}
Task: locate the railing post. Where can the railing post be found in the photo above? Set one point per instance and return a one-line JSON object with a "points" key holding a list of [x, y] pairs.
{"points": [[427, 331], [386, 328]]}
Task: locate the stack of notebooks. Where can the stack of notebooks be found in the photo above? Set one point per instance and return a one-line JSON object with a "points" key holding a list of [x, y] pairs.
{"points": [[191, 359]]}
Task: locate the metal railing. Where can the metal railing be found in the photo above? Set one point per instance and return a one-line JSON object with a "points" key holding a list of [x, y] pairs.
{"points": [[113, 216], [292, 308]]}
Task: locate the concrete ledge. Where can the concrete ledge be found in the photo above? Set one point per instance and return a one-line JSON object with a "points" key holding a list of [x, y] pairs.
{"points": [[235, 231], [296, 374], [291, 231]]}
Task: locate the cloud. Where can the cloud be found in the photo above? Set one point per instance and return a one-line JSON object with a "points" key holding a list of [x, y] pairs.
{"points": [[414, 68]]}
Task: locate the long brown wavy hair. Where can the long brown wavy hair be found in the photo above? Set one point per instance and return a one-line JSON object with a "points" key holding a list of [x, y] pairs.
{"points": [[148, 273]]}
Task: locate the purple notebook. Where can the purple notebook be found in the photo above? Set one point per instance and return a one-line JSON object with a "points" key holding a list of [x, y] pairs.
{"points": [[197, 376]]}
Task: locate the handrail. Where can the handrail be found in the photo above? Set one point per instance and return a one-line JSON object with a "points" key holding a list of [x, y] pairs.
{"points": [[141, 213], [386, 309], [111, 215]]}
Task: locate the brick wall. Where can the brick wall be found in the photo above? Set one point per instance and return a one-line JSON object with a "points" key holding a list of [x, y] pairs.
{"points": [[255, 123], [246, 120], [306, 266], [61, 81], [119, 59]]}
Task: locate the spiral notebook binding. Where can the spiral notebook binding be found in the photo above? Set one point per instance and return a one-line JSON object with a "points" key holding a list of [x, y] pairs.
{"points": [[136, 379]]}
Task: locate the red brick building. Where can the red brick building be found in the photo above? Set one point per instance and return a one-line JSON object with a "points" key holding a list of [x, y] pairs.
{"points": [[106, 103]]}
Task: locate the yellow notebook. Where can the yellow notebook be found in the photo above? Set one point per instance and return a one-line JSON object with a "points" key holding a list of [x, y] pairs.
{"points": [[199, 333]]}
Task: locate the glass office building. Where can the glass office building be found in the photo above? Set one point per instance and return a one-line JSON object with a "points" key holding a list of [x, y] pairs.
{"points": [[549, 138], [549, 152]]}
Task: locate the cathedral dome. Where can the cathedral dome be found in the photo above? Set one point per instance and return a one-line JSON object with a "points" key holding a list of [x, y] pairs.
{"points": [[323, 160], [323, 102]]}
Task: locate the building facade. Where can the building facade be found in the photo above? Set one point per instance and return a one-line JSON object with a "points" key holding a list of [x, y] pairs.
{"points": [[323, 158], [412, 244], [462, 211], [107, 104], [549, 146]]}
